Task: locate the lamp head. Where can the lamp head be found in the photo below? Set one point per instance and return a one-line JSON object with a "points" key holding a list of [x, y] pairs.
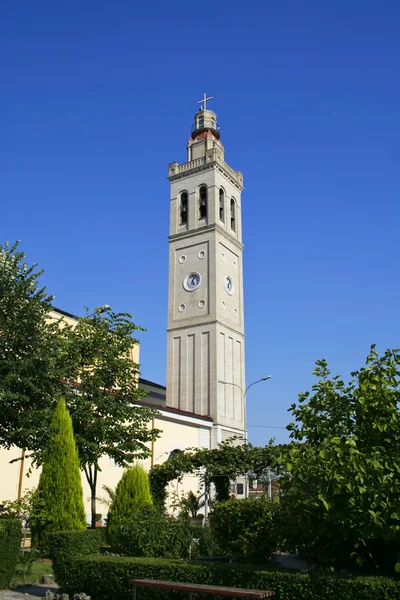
{"points": [[102, 309], [265, 378]]}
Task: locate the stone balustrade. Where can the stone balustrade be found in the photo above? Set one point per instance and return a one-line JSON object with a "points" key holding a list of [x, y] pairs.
{"points": [[211, 157]]}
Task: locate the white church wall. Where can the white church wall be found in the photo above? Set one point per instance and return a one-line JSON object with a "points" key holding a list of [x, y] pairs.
{"points": [[178, 432]]}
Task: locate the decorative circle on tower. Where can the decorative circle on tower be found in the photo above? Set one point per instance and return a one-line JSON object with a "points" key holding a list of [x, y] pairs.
{"points": [[192, 281], [222, 256], [235, 312], [182, 258], [182, 307], [229, 285], [201, 254], [234, 264], [223, 304], [202, 303]]}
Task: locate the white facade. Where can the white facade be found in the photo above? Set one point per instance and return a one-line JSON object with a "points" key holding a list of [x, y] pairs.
{"points": [[179, 432], [205, 308]]}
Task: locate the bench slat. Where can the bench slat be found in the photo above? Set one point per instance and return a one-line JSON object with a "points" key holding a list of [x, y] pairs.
{"points": [[205, 589]]}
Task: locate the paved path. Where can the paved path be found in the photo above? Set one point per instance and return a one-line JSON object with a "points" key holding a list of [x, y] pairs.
{"points": [[290, 561], [26, 592], [11, 595]]}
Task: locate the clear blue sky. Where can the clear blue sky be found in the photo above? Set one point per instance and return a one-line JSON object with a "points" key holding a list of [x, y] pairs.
{"points": [[98, 97]]}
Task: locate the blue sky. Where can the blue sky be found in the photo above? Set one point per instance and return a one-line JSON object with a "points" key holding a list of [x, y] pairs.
{"points": [[98, 97]]}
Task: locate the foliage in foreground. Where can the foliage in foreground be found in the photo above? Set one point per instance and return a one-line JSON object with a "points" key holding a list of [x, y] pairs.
{"points": [[29, 352], [131, 493], [31, 568], [148, 532], [58, 501], [106, 578], [65, 546], [42, 358], [340, 489], [10, 544], [247, 529], [190, 504], [21, 508], [105, 413], [219, 466]]}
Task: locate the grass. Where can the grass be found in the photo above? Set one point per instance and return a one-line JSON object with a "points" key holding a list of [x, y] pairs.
{"points": [[30, 570]]}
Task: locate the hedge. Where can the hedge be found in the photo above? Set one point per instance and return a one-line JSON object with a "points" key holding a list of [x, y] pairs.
{"points": [[67, 546], [106, 578], [10, 548], [248, 529]]}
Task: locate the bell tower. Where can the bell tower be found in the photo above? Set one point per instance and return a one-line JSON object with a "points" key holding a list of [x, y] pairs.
{"points": [[205, 295]]}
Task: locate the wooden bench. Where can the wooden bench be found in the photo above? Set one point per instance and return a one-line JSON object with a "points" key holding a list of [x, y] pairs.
{"points": [[192, 588]]}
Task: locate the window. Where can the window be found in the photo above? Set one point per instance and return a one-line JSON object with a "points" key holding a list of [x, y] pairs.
{"points": [[203, 202], [222, 205], [200, 122], [213, 124], [233, 216], [239, 489], [184, 208]]}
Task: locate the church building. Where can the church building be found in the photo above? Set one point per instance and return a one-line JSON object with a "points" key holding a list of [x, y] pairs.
{"points": [[203, 402]]}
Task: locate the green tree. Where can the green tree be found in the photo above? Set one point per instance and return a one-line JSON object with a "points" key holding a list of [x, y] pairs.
{"points": [[132, 492], [30, 349], [104, 394], [341, 482], [58, 502], [90, 364]]}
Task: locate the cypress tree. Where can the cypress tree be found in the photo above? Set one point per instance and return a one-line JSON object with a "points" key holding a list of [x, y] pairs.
{"points": [[58, 503], [131, 493]]}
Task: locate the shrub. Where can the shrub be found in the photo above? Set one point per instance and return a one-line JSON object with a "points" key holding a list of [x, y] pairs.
{"points": [[58, 500], [10, 544], [65, 546], [106, 578], [190, 504], [246, 529], [149, 533], [132, 491], [205, 543]]}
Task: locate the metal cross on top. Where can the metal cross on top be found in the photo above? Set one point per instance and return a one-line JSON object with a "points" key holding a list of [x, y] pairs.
{"points": [[204, 101]]}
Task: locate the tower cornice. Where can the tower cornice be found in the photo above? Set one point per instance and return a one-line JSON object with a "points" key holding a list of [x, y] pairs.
{"points": [[201, 230], [205, 324], [212, 160]]}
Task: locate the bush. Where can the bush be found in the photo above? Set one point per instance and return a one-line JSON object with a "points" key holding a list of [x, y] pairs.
{"points": [[132, 492], [65, 546], [58, 501], [205, 543], [246, 529], [10, 547], [149, 533], [106, 578]]}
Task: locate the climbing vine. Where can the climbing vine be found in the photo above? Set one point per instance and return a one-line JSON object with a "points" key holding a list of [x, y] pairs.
{"points": [[219, 466]]}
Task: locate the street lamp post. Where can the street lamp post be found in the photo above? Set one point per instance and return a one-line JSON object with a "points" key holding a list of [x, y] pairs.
{"points": [[98, 311], [244, 394]]}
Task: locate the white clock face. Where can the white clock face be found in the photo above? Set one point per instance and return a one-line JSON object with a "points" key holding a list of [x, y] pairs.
{"points": [[192, 281], [229, 285]]}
